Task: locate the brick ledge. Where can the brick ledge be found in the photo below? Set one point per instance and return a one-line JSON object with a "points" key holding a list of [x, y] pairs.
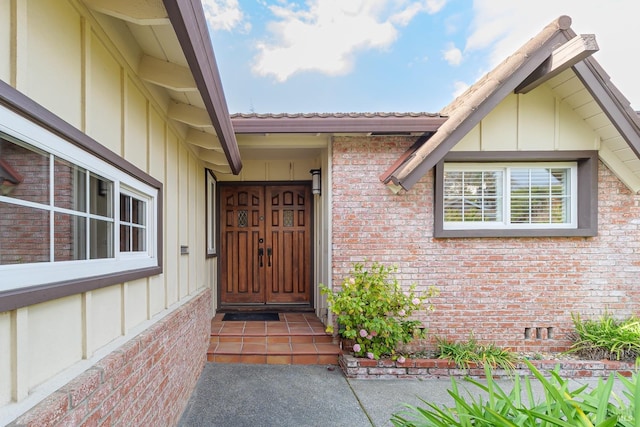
{"points": [[359, 368]]}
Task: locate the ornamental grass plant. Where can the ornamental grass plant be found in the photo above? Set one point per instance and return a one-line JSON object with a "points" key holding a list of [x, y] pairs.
{"points": [[374, 311], [606, 338], [559, 405], [465, 353]]}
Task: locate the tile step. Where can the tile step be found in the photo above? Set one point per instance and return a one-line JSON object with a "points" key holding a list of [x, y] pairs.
{"points": [[275, 359], [273, 339], [287, 354], [298, 338]]}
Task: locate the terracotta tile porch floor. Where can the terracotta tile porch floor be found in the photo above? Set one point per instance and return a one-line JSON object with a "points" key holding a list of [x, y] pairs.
{"points": [[297, 339]]}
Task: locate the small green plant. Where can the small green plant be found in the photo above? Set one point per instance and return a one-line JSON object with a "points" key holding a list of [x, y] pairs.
{"points": [[375, 312], [463, 354], [606, 338], [560, 405]]}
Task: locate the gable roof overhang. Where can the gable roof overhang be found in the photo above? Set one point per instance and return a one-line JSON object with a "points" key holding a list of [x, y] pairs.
{"points": [[612, 102], [181, 62], [341, 123], [187, 18], [555, 49]]}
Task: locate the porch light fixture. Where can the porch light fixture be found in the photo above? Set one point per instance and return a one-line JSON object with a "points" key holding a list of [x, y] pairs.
{"points": [[315, 181]]}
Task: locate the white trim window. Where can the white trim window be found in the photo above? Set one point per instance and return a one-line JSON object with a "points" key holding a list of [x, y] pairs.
{"points": [[510, 196], [134, 221], [59, 208], [211, 212]]}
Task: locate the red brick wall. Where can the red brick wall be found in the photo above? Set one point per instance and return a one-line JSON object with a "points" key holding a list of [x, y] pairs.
{"points": [[146, 382], [24, 231], [492, 288]]}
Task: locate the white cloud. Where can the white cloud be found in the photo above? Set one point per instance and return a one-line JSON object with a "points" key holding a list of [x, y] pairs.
{"points": [[225, 15], [452, 55], [405, 15], [502, 26], [326, 35], [434, 6]]}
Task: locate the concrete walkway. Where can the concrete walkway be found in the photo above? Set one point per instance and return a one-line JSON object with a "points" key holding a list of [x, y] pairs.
{"points": [[229, 395]]}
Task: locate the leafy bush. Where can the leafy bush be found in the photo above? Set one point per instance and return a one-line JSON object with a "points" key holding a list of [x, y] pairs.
{"points": [[606, 338], [374, 311], [560, 406], [463, 354]]}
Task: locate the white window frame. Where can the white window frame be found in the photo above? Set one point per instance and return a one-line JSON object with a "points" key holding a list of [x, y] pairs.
{"points": [[211, 184], [505, 224], [19, 276], [149, 221]]}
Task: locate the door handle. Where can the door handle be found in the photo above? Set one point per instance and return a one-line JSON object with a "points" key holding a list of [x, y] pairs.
{"points": [[269, 255], [260, 255]]}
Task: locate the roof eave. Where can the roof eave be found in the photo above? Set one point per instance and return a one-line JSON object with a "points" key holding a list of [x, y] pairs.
{"points": [[187, 19], [480, 99], [410, 173], [614, 105], [261, 125]]}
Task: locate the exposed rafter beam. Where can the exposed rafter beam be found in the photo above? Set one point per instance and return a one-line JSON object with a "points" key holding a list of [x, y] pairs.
{"points": [[203, 139], [218, 168], [189, 23], [562, 58], [166, 74], [189, 114], [212, 157], [148, 12], [618, 167]]}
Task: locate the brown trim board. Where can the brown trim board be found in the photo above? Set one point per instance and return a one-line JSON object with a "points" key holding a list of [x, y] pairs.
{"points": [[187, 18]]}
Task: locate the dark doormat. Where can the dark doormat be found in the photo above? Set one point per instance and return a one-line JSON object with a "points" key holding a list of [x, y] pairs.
{"points": [[251, 316]]}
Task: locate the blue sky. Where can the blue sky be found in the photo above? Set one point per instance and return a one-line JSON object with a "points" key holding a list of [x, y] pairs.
{"points": [[392, 55]]}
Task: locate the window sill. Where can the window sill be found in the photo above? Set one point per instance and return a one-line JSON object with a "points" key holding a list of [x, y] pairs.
{"points": [[22, 297], [557, 232]]}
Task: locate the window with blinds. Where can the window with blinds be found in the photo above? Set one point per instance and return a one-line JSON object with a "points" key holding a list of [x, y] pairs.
{"points": [[509, 195]]}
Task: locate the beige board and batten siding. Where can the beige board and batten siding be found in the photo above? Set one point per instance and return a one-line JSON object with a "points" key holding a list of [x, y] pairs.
{"points": [[5, 356], [536, 121], [279, 157], [6, 323], [58, 54], [560, 115], [273, 170], [5, 40]]}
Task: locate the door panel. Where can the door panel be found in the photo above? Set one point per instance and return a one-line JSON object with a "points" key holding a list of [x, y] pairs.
{"points": [[265, 243], [242, 213], [289, 275]]}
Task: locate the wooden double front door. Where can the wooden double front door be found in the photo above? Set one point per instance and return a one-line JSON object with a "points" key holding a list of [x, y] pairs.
{"points": [[265, 244]]}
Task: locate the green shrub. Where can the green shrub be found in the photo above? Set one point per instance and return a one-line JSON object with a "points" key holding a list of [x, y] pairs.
{"points": [[606, 338], [559, 405], [374, 311], [463, 354]]}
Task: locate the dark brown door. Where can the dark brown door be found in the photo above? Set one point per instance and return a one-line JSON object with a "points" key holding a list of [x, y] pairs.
{"points": [[265, 244]]}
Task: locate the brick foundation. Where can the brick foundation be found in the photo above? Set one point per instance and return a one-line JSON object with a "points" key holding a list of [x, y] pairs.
{"points": [[147, 381], [354, 367]]}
